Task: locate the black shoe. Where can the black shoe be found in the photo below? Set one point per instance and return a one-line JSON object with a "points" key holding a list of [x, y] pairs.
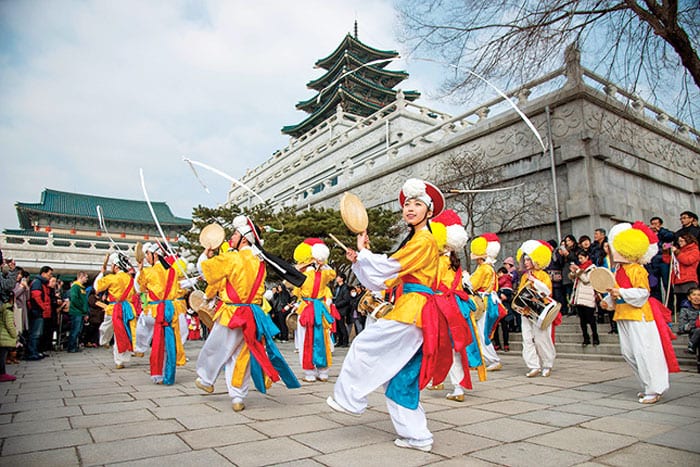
{"points": [[612, 332], [34, 357], [596, 342], [585, 343]]}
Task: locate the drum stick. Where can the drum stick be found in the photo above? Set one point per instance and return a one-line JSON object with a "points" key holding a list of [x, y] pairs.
{"points": [[340, 244]]}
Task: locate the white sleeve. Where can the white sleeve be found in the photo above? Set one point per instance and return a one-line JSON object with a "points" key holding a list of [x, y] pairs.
{"points": [[607, 298], [97, 278], [541, 287], [636, 297], [200, 260], [373, 269]]}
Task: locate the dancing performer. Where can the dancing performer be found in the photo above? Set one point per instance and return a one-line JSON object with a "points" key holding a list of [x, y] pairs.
{"points": [[484, 249], [120, 312], [241, 340], [451, 237], [538, 344], [160, 318], [315, 319], [410, 345], [645, 339]]}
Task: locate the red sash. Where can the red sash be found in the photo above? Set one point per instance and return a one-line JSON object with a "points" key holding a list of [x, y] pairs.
{"points": [[121, 337], [665, 333], [307, 319], [459, 331], [158, 344], [244, 319]]}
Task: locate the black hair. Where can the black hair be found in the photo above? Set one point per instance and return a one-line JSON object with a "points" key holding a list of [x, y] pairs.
{"points": [[45, 269], [584, 237], [601, 230], [502, 270], [690, 214], [656, 218]]}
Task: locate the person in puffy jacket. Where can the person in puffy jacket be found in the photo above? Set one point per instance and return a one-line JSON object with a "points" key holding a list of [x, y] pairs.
{"points": [[686, 277], [584, 298]]}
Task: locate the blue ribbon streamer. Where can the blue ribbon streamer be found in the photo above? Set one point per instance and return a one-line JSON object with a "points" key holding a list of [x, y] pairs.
{"points": [[403, 388], [467, 307], [127, 315], [319, 358], [170, 352], [490, 317], [266, 328]]}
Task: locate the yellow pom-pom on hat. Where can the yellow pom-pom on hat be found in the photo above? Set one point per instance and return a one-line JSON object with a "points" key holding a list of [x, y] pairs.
{"points": [[302, 253], [540, 252], [311, 249], [448, 231], [486, 246], [632, 243], [440, 233]]}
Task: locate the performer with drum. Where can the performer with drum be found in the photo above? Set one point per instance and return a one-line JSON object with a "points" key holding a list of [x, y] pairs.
{"points": [[644, 336], [160, 318], [393, 351], [241, 339], [315, 319], [485, 249], [120, 312], [538, 344]]}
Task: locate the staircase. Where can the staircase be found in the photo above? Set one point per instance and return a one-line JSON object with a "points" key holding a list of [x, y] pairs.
{"points": [[569, 344]]}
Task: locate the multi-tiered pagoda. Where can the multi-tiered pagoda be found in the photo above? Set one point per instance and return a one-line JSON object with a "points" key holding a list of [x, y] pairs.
{"points": [[355, 79]]}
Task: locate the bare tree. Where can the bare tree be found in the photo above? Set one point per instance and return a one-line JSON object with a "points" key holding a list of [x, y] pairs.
{"points": [[504, 211], [647, 46]]}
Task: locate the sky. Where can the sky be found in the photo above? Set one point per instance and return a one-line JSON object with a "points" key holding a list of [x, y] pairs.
{"points": [[92, 91]]}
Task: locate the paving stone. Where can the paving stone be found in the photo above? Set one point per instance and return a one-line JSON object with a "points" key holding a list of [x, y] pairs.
{"points": [[101, 399], [506, 429], [268, 452], [296, 425], [387, 425], [584, 408], [583, 441], [42, 441], [33, 427], [54, 457], [659, 417], [137, 448], [337, 439], [553, 418], [207, 457], [36, 395], [135, 430], [625, 426], [511, 407], [183, 410], [129, 416], [463, 416], [452, 443], [12, 407], [649, 454], [116, 407], [217, 419], [45, 414], [548, 399], [216, 437], [378, 454], [526, 454], [680, 439]]}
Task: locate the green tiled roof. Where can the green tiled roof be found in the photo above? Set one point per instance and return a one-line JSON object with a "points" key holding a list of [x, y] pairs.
{"points": [[351, 43], [61, 203], [350, 62]]}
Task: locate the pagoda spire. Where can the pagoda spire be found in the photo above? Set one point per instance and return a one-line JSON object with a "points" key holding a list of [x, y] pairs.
{"points": [[355, 79]]}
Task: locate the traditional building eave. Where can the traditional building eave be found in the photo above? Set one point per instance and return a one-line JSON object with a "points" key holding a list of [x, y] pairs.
{"points": [[351, 43], [351, 62]]}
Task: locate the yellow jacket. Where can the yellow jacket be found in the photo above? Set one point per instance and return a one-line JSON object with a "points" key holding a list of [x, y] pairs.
{"points": [[419, 263], [240, 269], [483, 279], [116, 285], [640, 280]]}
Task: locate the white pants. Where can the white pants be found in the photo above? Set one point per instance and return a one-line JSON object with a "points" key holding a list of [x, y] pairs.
{"points": [[144, 332], [641, 346], [376, 355], [221, 350], [487, 351], [184, 330], [106, 333], [309, 375], [538, 348], [456, 373]]}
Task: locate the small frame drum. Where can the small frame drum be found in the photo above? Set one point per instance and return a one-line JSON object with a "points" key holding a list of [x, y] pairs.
{"points": [[372, 306], [205, 308], [538, 308], [480, 306], [292, 321]]}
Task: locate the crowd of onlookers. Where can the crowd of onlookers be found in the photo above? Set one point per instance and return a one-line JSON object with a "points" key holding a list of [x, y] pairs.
{"points": [[43, 313]]}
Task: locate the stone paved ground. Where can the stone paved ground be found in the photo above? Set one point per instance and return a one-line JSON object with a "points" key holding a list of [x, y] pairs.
{"points": [[76, 409]]}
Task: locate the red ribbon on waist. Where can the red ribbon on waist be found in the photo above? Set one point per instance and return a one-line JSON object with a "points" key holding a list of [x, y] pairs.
{"points": [[121, 337]]}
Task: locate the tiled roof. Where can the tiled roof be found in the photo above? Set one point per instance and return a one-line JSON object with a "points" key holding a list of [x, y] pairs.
{"points": [[114, 209]]}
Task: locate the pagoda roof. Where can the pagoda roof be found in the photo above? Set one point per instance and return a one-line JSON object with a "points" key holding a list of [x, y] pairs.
{"points": [[385, 94], [66, 204], [360, 49], [350, 103], [350, 62]]}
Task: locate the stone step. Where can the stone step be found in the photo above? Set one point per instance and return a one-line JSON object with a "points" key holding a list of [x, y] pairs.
{"points": [[603, 352], [570, 337]]}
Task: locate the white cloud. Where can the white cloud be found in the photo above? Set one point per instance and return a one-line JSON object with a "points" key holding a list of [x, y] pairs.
{"points": [[93, 90]]}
